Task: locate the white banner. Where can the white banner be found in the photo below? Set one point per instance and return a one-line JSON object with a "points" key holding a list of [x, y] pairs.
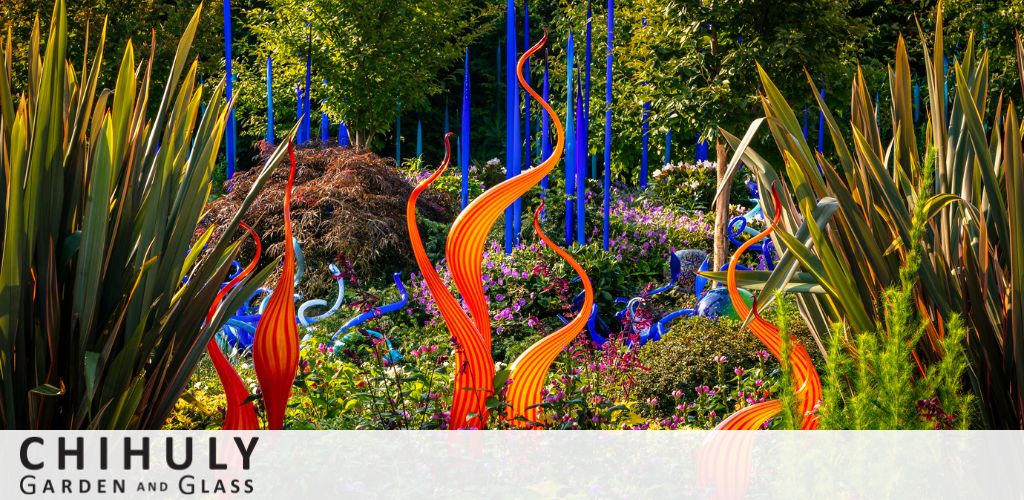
{"points": [[545, 464]]}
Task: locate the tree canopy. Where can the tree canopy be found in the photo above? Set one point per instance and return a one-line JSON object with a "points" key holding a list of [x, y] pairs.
{"points": [[373, 55]]}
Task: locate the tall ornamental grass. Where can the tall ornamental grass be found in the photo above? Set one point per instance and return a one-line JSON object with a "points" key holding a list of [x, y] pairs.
{"points": [[104, 284], [848, 218]]}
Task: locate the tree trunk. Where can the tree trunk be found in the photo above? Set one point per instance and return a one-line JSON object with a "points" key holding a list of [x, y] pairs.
{"points": [[721, 208], [360, 139]]}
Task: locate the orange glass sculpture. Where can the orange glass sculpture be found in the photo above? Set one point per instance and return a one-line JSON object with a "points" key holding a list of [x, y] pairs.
{"points": [[530, 368], [237, 416], [474, 377], [465, 246], [475, 367], [805, 376], [275, 350]]}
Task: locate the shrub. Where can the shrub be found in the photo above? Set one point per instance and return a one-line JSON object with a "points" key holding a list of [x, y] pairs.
{"points": [[862, 195], [348, 205], [706, 406], [102, 202], [690, 187], [684, 359]]}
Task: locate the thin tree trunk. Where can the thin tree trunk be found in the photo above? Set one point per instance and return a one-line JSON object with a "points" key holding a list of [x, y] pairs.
{"points": [[721, 208], [361, 139], [721, 242]]}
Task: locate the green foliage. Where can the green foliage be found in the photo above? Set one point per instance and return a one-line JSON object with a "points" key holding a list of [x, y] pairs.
{"points": [[375, 56], [355, 386], [201, 406], [347, 385], [862, 208], [886, 390], [686, 58], [104, 283], [691, 187], [718, 42], [881, 387], [685, 358], [611, 276], [790, 417], [448, 186]]}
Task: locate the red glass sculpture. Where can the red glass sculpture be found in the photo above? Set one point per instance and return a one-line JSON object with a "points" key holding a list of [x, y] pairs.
{"points": [[275, 350]]}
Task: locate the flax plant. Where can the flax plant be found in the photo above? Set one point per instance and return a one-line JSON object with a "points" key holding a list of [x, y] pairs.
{"points": [[848, 219], [104, 282]]}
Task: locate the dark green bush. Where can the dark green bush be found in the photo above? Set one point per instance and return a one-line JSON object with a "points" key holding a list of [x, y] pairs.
{"points": [[683, 358]]}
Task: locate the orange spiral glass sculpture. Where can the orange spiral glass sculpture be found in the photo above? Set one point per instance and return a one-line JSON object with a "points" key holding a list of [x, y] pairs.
{"points": [[275, 348], [464, 250], [237, 416], [474, 373], [805, 376], [529, 369]]}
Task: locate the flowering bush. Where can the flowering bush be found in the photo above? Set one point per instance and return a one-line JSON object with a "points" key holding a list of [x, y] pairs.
{"points": [[351, 386], [691, 187], [685, 358], [587, 388], [641, 216], [735, 387]]}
